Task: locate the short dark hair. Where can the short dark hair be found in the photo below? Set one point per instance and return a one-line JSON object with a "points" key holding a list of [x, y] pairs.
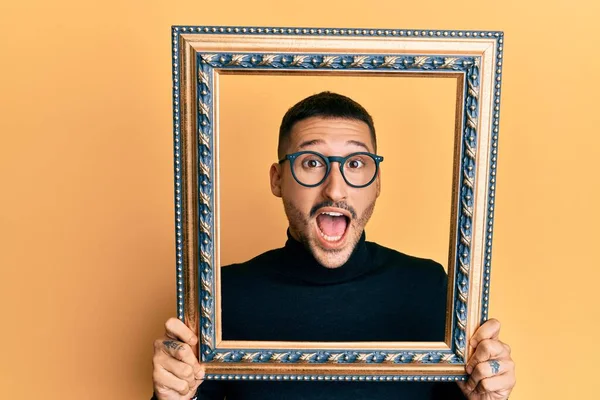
{"points": [[325, 105]]}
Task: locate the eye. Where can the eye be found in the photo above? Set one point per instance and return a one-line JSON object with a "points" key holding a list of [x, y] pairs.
{"points": [[355, 163], [311, 163]]}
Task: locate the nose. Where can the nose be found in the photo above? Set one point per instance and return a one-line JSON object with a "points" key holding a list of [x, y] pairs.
{"points": [[335, 187]]}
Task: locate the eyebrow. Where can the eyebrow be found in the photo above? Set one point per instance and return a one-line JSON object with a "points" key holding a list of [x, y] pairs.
{"points": [[309, 143]]}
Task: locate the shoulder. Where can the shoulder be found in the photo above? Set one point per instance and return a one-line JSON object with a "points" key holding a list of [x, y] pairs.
{"points": [[257, 266], [399, 261]]}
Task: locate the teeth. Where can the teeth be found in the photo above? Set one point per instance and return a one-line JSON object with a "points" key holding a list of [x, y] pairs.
{"points": [[333, 214], [330, 238]]}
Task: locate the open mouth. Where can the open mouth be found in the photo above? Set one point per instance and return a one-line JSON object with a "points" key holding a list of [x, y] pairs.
{"points": [[332, 225]]}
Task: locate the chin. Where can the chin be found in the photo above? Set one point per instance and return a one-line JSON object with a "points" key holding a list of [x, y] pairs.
{"points": [[331, 258]]}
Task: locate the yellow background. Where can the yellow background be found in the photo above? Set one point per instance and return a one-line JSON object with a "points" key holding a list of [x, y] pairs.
{"points": [[86, 211], [415, 122]]}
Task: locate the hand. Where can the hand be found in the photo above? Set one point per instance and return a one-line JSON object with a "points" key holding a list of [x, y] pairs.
{"points": [[177, 373], [491, 369]]}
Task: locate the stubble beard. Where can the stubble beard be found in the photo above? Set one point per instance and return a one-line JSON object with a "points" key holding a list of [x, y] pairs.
{"points": [[301, 227]]}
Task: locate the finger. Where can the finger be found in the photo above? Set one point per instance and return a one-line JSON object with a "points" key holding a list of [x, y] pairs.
{"points": [[489, 330], [180, 369], [199, 373], [486, 350], [500, 384], [176, 329], [179, 351], [463, 386], [487, 370], [165, 381]]}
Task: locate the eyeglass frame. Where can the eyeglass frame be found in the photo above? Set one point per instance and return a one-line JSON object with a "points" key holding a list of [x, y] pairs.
{"points": [[330, 159]]}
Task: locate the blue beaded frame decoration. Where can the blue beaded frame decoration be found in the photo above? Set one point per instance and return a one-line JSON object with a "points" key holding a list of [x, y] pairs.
{"points": [[200, 54]]}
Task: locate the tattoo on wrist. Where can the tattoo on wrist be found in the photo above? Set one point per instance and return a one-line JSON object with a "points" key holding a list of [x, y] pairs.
{"points": [[170, 344], [495, 366]]}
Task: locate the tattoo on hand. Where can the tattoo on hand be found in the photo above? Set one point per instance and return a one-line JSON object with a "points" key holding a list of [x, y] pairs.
{"points": [[170, 344], [495, 366]]}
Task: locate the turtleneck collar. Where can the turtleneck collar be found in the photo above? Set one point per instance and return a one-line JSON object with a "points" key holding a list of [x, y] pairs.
{"points": [[299, 263]]}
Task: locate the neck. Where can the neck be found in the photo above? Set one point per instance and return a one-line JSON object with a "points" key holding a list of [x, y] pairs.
{"points": [[301, 263]]}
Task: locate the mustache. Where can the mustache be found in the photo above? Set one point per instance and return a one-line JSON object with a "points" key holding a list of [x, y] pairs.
{"points": [[337, 204]]}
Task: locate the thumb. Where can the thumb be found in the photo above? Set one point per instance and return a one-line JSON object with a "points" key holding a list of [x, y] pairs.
{"points": [[194, 389], [199, 378], [463, 387]]}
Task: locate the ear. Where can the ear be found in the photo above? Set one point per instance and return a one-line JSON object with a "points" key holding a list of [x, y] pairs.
{"points": [[378, 183], [275, 175]]}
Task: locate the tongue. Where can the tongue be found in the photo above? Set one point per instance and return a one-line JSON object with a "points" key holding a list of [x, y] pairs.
{"points": [[331, 226]]}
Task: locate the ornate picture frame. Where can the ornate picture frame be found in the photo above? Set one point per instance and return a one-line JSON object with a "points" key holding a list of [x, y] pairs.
{"points": [[200, 54]]}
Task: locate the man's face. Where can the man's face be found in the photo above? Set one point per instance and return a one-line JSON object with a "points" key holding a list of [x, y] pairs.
{"points": [[314, 212]]}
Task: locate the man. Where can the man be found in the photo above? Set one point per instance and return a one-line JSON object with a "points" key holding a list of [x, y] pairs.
{"points": [[328, 283]]}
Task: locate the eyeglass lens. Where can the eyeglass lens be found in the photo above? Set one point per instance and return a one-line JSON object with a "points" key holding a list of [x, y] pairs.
{"points": [[311, 169]]}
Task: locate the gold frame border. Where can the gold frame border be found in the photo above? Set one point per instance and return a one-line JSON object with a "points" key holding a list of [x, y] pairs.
{"points": [[190, 45]]}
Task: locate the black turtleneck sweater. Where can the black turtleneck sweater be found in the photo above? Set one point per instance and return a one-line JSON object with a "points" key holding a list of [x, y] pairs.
{"points": [[378, 295]]}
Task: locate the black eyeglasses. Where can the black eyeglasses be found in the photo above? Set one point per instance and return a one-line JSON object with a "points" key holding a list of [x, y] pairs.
{"points": [[310, 168]]}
